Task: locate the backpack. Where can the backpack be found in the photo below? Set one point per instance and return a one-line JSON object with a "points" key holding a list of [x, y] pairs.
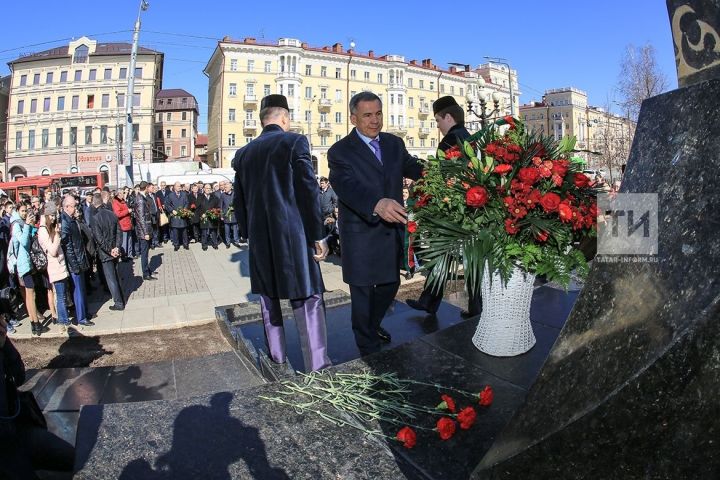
{"points": [[38, 257]]}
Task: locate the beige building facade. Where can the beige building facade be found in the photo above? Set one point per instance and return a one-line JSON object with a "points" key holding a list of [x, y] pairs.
{"points": [[319, 83], [176, 116], [67, 108], [603, 138], [4, 104]]}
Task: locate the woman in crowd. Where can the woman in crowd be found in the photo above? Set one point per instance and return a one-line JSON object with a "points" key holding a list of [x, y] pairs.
{"points": [[49, 239], [125, 220]]}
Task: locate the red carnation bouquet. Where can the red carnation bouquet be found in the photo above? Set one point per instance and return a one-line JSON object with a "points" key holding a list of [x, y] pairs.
{"points": [[509, 198], [212, 215]]}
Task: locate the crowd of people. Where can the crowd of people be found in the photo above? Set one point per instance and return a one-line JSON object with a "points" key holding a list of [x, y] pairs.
{"points": [[52, 247]]}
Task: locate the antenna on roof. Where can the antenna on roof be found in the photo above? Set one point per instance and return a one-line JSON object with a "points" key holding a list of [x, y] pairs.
{"points": [[262, 33]]}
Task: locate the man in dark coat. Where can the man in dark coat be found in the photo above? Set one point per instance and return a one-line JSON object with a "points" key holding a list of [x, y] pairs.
{"points": [[450, 119], [366, 170], [108, 238], [174, 201], [278, 210], [76, 258], [229, 220], [143, 228], [206, 202], [194, 221]]}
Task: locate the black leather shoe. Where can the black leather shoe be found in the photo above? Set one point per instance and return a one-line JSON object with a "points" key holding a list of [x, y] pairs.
{"points": [[187, 247], [384, 335], [227, 245], [415, 305], [177, 247], [116, 308], [215, 247], [204, 247], [149, 277], [468, 314]]}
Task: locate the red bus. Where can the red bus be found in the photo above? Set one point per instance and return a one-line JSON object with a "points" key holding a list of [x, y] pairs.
{"points": [[60, 184]]}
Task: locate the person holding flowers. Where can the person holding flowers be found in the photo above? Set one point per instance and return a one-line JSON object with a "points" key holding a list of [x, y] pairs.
{"points": [[207, 204]]}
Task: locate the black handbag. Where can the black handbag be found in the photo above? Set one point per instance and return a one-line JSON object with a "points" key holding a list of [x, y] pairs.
{"points": [[30, 411]]}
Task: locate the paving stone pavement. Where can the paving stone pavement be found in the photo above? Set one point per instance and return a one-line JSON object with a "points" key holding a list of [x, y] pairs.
{"points": [[190, 284]]}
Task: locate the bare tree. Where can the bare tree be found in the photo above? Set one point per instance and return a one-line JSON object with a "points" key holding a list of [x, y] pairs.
{"points": [[612, 141], [640, 78]]}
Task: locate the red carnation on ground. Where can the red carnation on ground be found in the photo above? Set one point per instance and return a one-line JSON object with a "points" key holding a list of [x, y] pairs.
{"points": [[511, 227], [581, 180], [550, 201], [407, 436], [486, 396], [466, 417], [476, 197], [446, 428], [503, 169], [447, 403], [412, 227], [529, 175]]}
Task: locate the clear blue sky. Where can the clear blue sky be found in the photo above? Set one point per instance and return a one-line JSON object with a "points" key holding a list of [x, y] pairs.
{"points": [[552, 44]]}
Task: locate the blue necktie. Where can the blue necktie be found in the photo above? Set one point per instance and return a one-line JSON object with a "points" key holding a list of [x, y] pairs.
{"points": [[375, 144]]}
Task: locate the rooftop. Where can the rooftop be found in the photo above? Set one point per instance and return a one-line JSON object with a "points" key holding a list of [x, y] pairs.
{"points": [[102, 49]]}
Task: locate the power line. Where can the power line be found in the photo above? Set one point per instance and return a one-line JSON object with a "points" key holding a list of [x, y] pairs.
{"points": [[62, 40]]}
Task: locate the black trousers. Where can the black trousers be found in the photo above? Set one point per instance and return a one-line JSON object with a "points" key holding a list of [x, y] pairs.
{"points": [[113, 281], [368, 307], [431, 300], [212, 234]]}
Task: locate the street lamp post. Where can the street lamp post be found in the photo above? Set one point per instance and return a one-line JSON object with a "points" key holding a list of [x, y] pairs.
{"points": [[502, 61], [130, 97], [309, 125], [484, 116]]}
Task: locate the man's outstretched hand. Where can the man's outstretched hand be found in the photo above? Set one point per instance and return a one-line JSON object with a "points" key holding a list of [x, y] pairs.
{"points": [[391, 211]]}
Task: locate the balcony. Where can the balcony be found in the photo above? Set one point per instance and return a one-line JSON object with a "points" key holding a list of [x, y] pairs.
{"points": [[423, 112], [250, 126], [324, 128], [324, 105], [288, 76], [399, 130], [423, 132], [250, 101], [296, 127]]}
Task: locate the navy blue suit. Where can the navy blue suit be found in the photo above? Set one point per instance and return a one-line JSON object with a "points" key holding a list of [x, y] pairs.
{"points": [[173, 201], [372, 248], [277, 206]]}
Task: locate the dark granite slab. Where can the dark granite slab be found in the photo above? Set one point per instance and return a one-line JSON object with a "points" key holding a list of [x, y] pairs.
{"points": [[69, 388], [63, 424], [632, 379], [139, 383], [224, 371]]}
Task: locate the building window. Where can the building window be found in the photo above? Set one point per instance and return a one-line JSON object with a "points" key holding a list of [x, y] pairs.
{"points": [[248, 114], [21, 107], [392, 119], [251, 65], [58, 137], [233, 65], [392, 99], [121, 100], [380, 78], [452, 89], [73, 135], [159, 134], [248, 139], [308, 115], [432, 85], [422, 142], [308, 92], [123, 73], [432, 142], [338, 117], [268, 67], [78, 75], [46, 104], [291, 90], [266, 90], [136, 132], [18, 140], [323, 71], [88, 135], [138, 72], [107, 74], [168, 151], [353, 74], [410, 102], [81, 54], [421, 84], [63, 76], [168, 133], [411, 122], [308, 70], [410, 83], [91, 101], [231, 115], [45, 139], [49, 77], [462, 92], [36, 79], [103, 134], [232, 91], [323, 140], [183, 151], [366, 76], [400, 99], [411, 141], [136, 99], [442, 88], [338, 138], [33, 105], [184, 102], [159, 116], [183, 133], [31, 139], [338, 96], [231, 139], [338, 73], [103, 168], [60, 104], [105, 100], [93, 74], [168, 116], [23, 80], [184, 115]]}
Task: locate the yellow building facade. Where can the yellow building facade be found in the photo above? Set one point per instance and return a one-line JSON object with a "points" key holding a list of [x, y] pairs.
{"points": [[319, 83], [603, 138], [67, 108]]}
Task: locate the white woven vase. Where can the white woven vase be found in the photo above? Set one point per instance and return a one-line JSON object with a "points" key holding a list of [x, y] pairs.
{"points": [[504, 329]]}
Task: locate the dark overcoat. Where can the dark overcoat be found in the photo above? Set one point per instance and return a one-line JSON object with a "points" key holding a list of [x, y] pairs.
{"points": [[456, 134], [203, 205], [173, 201], [277, 207], [372, 248]]}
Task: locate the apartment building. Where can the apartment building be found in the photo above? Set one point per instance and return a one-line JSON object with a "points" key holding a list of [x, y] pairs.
{"points": [[176, 116]]}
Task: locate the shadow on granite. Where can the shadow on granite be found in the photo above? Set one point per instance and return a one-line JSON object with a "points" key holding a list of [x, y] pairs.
{"points": [[633, 380]]}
